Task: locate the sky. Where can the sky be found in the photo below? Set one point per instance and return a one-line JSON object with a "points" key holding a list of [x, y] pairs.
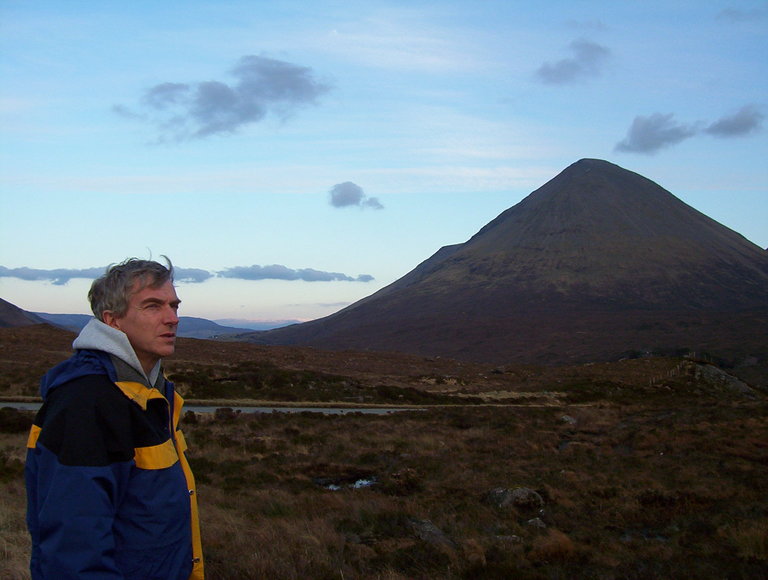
{"points": [[294, 157]]}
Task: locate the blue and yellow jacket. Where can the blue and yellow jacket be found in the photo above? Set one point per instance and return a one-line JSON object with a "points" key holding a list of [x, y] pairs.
{"points": [[109, 491]]}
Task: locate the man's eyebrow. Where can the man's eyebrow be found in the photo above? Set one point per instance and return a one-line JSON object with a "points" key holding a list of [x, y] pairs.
{"points": [[153, 300]]}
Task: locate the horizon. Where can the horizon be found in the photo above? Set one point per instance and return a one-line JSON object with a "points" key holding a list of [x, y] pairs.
{"points": [[57, 317], [293, 160]]}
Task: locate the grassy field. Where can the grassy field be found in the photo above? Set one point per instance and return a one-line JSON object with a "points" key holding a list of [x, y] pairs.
{"points": [[638, 469], [631, 491]]}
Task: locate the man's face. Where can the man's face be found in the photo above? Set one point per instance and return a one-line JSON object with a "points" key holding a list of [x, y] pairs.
{"points": [[150, 323]]}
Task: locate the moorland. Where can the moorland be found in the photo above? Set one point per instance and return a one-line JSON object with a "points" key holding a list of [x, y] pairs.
{"points": [[639, 468]]}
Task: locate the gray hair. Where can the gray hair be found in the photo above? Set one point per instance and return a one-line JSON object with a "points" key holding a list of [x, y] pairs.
{"points": [[114, 289]]}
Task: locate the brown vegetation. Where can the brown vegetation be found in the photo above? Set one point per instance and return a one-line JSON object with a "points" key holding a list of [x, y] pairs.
{"points": [[628, 492], [644, 469]]}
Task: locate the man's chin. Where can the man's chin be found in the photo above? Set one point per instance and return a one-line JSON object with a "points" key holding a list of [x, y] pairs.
{"points": [[165, 350]]}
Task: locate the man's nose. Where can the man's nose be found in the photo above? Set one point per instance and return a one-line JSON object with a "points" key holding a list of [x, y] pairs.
{"points": [[171, 316]]}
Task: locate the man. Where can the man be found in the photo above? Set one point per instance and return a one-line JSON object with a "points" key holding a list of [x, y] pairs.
{"points": [[109, 490]]}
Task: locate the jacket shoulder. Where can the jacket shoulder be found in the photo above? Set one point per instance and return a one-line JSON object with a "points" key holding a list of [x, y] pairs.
{"points": [[87, 421]]}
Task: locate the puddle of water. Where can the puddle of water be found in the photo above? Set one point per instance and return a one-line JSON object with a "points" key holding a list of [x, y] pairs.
{"points": [[338, 485]]}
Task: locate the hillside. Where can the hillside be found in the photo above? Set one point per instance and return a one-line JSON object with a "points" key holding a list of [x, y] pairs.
{"points": [[11, 315], [212, 369]]}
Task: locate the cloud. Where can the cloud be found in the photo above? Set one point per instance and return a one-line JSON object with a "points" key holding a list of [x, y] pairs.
{"points": [[746, 120], [125, 112], [654, 132], [350, 194], [184, 111], [649, 134], [587, 61], [61, 276], [191, 275], [58, 276], [279, 272], [738, 15], [166, 95]]}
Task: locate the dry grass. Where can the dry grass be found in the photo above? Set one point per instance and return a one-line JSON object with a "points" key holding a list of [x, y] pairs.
{"points": [[749, 538], [629, 492], [644, 470], [14, 539]]}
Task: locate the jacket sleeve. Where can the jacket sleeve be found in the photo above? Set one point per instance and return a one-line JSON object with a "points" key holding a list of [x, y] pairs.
{"points": [[77, 473]]}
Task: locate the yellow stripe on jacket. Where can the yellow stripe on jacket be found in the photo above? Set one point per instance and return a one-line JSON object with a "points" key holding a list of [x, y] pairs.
{"points": [[156, 456]]}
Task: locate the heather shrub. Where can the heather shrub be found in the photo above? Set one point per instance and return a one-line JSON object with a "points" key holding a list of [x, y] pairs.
{"points": [[14, 421], [749, 538], [552, 545], [630, 491]]}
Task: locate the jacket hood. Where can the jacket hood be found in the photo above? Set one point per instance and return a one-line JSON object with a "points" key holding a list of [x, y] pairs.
{"points": [[99, 336], [94, 348]]}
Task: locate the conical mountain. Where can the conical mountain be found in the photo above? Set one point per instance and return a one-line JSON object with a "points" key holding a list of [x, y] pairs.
{"points": [[600, 234], [597, 263]]}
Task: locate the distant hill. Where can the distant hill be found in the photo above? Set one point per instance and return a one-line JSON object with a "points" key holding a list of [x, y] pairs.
{"points": [[189, 326], [11, 316], [254, 324], [73, 322], [597, 264]]}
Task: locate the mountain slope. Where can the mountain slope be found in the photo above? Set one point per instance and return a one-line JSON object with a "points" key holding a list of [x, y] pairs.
{"points": [[11, 316], [598, 263]]}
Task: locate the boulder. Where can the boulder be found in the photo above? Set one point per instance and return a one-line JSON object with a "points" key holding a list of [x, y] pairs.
{"points": [[520, 497]]}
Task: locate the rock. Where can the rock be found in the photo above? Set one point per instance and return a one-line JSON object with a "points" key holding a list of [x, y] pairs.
{"points": [[537, 523], [717, 377], [524, 497], [520, 497], [427, 531]]}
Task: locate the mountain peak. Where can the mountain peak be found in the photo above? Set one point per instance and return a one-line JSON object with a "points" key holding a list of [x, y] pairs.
{"points": [[597, 232], [596, 195]]}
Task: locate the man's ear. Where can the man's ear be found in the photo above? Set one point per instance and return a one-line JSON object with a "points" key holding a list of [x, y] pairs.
{"points": [[108, 317]]}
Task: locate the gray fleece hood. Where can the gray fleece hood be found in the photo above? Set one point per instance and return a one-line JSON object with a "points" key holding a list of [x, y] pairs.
{"points": [[99, 336]]}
